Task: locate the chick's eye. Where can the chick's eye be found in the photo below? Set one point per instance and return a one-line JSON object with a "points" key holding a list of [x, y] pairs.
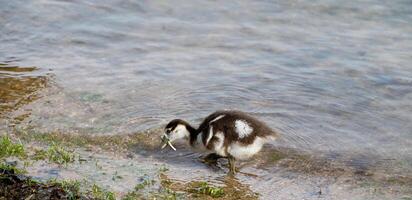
{"points": [[168, 131]]}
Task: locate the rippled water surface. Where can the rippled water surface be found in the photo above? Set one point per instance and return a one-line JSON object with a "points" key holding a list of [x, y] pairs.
{"points": [[333, 77]]}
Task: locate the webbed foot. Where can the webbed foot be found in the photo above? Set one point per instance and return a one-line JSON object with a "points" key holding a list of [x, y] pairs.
{"points": [[211, 158]]}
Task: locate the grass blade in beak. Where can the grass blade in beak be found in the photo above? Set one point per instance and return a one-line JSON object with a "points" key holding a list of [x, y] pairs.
{"points": [[171, 146], [166, 141]]}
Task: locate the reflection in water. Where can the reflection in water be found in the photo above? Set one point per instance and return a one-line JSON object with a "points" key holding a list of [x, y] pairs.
{"points": [[18, 87]]}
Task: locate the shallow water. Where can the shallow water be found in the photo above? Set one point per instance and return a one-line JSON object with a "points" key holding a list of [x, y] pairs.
{"points": [[334, 78]]}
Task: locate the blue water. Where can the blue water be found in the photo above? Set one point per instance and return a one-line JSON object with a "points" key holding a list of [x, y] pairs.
{"points": [[333, 77]]}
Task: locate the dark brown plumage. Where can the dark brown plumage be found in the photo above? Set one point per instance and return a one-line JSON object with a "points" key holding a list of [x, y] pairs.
{"points": [[227, 123]]}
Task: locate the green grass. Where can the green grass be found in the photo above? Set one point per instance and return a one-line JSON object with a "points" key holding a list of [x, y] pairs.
{"points": [[133, 195], [163, 192], [163, 168], [73, 190], [146, 181], [9, 148], [206, 189], [30, 182], [166, 194], [39, 154], [111, 142], [275, 157], [102, 194], [56, 154], [136, 193], [71, 187], [60, 155], [4, 166]]}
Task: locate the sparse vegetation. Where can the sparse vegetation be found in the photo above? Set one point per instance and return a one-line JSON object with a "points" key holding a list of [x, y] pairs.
{"points": [[71, 187], [145, 181], [60, 153], [16, 186], [13, 169], [133, 195], [206, 189], [167, 194], [163, 192], [9, 148], [109, 142], [39, 154], [275, 157], [56, 154], [203, 190], [102, 194], [137, 192], [163, 168]]}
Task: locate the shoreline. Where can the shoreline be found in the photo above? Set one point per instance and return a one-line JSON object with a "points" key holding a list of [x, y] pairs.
{"points": [[109, 157]]}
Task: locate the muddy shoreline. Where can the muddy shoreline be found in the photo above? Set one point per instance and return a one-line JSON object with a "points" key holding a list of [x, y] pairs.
{"points": [[17, 186], [114, 158]]}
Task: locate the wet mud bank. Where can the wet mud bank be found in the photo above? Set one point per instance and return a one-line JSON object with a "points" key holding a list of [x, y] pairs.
{"points": [[17, 186]]}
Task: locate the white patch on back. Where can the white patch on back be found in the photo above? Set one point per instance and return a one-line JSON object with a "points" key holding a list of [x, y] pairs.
{"points": [[242, 128], [217, 118], [242, 152]]}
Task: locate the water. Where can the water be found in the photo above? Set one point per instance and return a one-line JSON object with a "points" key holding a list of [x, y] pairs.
{"points": [[333, 78]]}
